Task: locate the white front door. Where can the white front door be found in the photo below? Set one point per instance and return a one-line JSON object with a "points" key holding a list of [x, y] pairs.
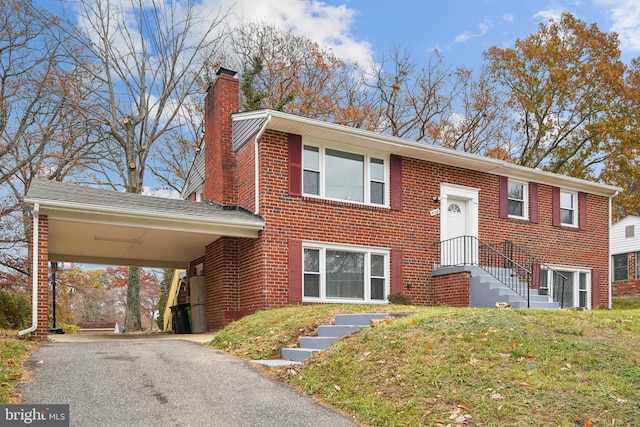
{"points": [[456, 218], [459, 217]]}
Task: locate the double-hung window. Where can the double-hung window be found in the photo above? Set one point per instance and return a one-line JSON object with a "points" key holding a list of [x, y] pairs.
{"points": [[620, 267], [335, 273], [340, 175], [518, 206], [568, 208]]}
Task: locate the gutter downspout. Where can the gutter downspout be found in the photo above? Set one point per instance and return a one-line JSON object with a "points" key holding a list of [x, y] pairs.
{"points": [[34, 273], [610, 260], [256, 165]]}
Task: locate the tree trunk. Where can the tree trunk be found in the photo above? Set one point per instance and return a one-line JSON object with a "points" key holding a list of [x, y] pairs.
{"points": [[132, 321]]}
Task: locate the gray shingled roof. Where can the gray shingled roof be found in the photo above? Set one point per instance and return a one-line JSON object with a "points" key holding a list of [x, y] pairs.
{"points": [[60, 194]]}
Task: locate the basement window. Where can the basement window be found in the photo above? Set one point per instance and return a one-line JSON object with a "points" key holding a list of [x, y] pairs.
{"points": [[345, 274]]}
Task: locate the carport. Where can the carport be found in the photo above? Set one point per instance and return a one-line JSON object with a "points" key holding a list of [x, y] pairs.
{"points": [[73, 223]]}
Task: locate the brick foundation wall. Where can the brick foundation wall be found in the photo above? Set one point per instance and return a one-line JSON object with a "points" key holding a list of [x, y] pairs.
{"points": [[451, 290]]}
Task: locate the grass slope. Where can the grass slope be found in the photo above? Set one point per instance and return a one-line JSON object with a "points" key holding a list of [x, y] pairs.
{"points": [[13, 353], [445, 366]]}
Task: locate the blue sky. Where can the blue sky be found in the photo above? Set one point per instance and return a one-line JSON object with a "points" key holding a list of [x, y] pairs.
{"points": [[460, 29]]}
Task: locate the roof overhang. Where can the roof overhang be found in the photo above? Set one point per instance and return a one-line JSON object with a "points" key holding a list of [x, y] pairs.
{"points": [[119, 232], [350, 136]]}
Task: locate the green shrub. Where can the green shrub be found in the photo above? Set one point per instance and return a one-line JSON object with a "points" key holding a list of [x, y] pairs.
{"points": [[402, 299], [15, 310]]}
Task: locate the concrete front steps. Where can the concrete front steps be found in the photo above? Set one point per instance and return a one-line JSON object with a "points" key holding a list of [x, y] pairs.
{"points": [[485, 290], [344, 325]]}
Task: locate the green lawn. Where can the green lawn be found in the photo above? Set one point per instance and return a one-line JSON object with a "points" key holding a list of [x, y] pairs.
{"points": [[437, 366]]}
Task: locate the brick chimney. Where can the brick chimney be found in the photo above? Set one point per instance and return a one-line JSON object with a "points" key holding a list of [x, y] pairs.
{"points": [[222, 100]]}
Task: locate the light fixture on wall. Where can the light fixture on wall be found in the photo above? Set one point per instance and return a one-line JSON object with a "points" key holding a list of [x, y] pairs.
{"points": [[436, 199]]}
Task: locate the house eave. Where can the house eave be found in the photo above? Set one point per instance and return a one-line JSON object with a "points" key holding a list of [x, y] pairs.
{"points": [[350, 136], [148, 218]]}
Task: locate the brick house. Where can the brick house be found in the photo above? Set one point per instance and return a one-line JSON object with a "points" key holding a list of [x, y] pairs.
{"points": [[625, 254], [289, 210]]}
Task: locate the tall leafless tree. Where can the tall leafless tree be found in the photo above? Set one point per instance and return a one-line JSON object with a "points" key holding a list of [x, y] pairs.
{"points": [[146, 61], [42, 133]]}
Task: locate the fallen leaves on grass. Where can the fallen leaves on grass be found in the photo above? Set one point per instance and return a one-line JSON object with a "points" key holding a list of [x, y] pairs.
{"points": [[459, 415]]}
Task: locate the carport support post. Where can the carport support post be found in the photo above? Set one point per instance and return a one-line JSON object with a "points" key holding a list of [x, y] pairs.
{"points": [[42, 331]]}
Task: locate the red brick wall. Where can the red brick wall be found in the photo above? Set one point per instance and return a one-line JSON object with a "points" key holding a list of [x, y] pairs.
{"points": [[42, 331], [221, 270], [413, 229], [247, 176], [245, 275], [221, 101], [451, 289]]}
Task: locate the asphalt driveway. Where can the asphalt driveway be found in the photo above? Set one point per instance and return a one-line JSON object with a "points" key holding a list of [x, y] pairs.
{"points": [[164, 382]]}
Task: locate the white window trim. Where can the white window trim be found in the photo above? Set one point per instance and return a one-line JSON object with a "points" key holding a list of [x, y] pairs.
{"points": [[323, 247], [367, 154], [525, 198], [575, 271], [575, 208]]}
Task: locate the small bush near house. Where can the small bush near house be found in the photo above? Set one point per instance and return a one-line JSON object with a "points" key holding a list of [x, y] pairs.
{"points": [[15, 310], [401, 299]]}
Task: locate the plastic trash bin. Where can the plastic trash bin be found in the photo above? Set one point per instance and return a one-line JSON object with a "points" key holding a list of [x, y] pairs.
{"points": [[175, 320], [183, 318], [189, 317]]}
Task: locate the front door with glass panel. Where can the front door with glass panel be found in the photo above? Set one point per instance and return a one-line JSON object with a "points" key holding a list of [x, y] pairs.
{"points": [[457, 249], [458, 224]]}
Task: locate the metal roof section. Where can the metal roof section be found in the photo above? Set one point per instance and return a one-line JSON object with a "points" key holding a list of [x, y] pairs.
{"points": [[89, 225], [195, 177], [243, 130], [359, 138]]}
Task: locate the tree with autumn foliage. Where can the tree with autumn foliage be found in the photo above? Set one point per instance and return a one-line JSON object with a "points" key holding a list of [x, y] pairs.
{"points": [[149, 294], [622, 167], [290, 73], [83, 295], [564, 83]]}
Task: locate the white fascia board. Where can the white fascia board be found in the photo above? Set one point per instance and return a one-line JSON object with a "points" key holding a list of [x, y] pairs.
{"points": [[187, 223], [423, 151]]}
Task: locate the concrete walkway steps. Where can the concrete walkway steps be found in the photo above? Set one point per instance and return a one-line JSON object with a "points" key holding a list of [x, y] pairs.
{"points": [[344, 325]]}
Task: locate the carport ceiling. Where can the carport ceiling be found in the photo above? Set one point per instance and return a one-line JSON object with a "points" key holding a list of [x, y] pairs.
{"points": [[88, 225]]}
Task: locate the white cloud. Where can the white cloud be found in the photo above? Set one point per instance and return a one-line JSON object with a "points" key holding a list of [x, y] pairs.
{"points": [[549, 14], [320, 22], [507, 17], [160, 192], [625, 15], [483, 28]]}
